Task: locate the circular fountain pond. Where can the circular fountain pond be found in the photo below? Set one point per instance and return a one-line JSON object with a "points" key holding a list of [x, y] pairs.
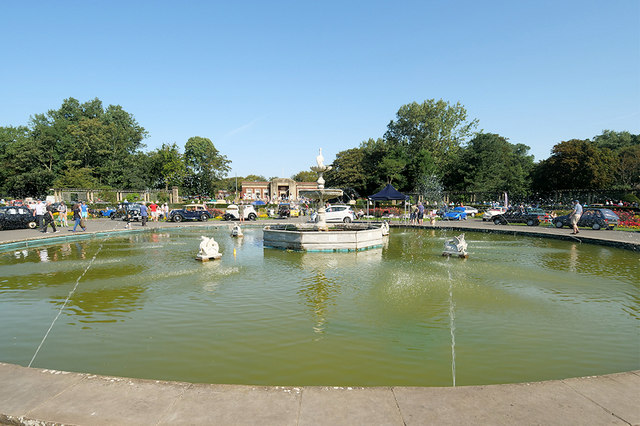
{"points": [[519, 309]]}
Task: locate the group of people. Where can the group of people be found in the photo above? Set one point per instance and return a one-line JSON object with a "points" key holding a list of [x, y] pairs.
{"points": [[418, 213], [153, 208], [44, 214]]}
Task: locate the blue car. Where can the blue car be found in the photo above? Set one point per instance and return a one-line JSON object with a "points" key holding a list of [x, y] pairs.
{"points": [[457, 213], [190, 212], [108, 212]]}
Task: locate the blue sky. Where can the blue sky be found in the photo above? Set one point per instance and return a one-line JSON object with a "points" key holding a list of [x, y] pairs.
{"points": [[271, 82]]}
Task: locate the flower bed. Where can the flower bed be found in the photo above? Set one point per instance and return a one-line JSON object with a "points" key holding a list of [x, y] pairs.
{"points": [[628, 219]]}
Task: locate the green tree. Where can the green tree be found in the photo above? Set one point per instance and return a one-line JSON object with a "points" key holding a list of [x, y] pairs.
{"points": [[434, 127], [205, 165], [627, 171], [255, 178], [576, 164], [305, 176], [76, 178], [86, 136], [166, 167], [625, 147], [348, 170], [491, 164]]}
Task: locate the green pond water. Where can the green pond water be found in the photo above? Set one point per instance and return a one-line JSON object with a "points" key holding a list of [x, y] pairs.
{"points": [[519, 309]]}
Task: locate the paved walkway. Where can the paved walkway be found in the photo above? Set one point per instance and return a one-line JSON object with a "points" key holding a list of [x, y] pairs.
{"points": [[38, 396]]}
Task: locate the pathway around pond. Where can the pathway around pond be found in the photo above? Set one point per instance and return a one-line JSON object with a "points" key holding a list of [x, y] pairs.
{"points": [[40, 396]]}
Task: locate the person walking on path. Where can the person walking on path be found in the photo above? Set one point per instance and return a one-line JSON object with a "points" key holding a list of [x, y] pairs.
{"points": [[77, 217], [39, 211], [574, 216], [420, 213], [241, 212], [144, 214], [154, 211], [62, 214], [48, 219]]}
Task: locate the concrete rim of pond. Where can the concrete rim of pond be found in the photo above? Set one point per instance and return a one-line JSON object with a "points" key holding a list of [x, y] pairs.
{"points": [[41, 396]]}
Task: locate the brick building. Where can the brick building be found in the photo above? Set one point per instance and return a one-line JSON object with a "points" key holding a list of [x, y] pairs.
{"points": [[279, 189]]}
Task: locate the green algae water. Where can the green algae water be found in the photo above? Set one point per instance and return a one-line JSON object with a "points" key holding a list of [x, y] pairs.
{"points": [[519, 309]]}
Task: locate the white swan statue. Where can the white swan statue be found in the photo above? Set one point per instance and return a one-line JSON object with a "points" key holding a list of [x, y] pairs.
{"points": [[456, 246], [209, 249]]}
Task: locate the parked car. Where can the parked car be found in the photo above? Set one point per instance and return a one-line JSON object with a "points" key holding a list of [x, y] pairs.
{"points": [[493, 211], [458, 213], [470, 211], [108, 212], [336, 213], [530, 216], [284, 210], [130, 209], [233, 212], [190, 212], [16, 217], [593, 218]]}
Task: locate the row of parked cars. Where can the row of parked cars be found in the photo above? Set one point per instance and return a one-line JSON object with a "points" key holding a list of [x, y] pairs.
{"points": [[16, 217], [595, 218]]}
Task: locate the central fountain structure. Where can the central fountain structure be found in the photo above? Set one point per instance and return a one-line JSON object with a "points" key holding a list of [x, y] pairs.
{"points": [[319, 236]]}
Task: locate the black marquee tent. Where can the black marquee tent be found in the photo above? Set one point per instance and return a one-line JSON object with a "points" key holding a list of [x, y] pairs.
{"points": [[388, 193]]}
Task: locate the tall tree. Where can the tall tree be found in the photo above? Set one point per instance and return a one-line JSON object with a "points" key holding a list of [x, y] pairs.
{"points": [[305, 176], [166, 167], [205, 165], [626, 147], [491, 164], [575, 164], [348, 170], [435, 127]]}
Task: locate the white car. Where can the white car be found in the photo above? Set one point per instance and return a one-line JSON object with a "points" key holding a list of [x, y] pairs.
{"points": [[470, 211], [233, 212], [336, 213], [493, 211]]}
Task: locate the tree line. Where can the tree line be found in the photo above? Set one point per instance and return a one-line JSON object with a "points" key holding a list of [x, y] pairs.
{"points": [[433, 145], [428, 147], [85, 145]]}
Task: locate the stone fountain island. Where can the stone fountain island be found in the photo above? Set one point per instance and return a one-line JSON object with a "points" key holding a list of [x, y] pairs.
{"points": [[320, 236]]}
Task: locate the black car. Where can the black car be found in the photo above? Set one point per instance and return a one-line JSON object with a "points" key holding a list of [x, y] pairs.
{"points": [[190, 212], [530, 216], [592, 218], [284, 210], [130, 209], [16, 217]]}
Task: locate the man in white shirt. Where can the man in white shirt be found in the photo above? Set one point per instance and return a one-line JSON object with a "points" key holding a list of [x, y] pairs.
{"points": [[575, 216], [39, 212]]}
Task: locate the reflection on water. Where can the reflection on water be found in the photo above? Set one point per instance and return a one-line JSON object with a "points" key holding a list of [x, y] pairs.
{"points": [[518, 309]]}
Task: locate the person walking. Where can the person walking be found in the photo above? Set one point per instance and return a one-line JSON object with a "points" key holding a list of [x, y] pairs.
{"points": [[84, 210], [48, 219], [62, 214], [144, 213], [241, 212], [420, 213], [574, 216], [39, 211], [77, 217], [154, 211]]}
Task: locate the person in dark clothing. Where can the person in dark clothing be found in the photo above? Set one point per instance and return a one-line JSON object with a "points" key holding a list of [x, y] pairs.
{"points": [[48, 218], [77, 217]]}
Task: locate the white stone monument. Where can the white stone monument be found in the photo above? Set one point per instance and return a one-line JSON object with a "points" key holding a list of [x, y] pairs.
{"points": [[209, 249]]}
